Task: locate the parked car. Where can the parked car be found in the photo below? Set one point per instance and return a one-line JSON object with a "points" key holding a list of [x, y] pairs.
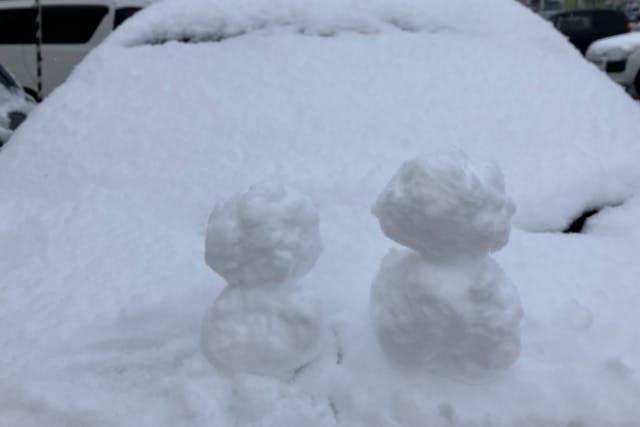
{"points": [[15, 104], [70, 29], [619, 57], [585, 26]]}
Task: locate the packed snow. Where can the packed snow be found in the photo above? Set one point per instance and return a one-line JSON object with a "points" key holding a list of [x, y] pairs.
{"points": [[462, 320], [446, 303], [262, 331], [107, 187], [261, 242], [444, 206], [265, 236]]}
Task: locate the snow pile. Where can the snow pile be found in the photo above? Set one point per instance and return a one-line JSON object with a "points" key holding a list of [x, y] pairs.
{"points": [[448, 304], [259, 242]]}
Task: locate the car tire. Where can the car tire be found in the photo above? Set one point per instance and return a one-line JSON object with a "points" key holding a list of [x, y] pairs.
{"points": [[636, 85]]}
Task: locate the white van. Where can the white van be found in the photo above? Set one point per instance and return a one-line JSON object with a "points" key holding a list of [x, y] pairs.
{"points": [[70, 29]]}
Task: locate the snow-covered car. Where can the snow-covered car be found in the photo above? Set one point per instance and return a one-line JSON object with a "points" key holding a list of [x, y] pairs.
{"points": [[619, 57], [15, 105], [324, 213]]}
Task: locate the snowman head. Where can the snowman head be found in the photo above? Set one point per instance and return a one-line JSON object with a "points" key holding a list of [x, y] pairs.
{"points": [[266, 235], [446, 207]]}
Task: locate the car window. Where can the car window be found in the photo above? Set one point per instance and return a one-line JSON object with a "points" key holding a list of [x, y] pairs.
{"points": [[574, 22], [122, 14], [60, 24], [610, 20]]}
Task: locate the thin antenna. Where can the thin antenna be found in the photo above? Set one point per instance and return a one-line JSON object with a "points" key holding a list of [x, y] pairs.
{"points": [[39, 48]]}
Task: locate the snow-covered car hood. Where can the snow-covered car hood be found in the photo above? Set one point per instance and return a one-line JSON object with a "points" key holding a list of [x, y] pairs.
{"points": [[625, 43], [107, 188]]}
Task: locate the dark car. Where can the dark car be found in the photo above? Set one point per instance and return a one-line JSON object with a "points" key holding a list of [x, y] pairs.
{"points": [[585, 26]]}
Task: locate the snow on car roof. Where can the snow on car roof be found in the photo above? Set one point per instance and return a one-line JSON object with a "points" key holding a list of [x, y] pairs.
{"points": [[107, 187], [627, 42]]}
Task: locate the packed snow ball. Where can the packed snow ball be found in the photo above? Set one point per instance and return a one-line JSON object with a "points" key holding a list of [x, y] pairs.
{"points": [[267, 235], [262, 332], [445, 206], [458, 319]]}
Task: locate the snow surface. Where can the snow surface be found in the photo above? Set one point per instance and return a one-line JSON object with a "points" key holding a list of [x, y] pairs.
{"points": [[106, 189], [264, 236]]}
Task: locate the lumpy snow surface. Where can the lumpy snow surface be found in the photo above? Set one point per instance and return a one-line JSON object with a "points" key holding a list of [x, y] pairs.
{"points": [[106, 188], [267, 235], [261, 331], [462, 319], [444, 207]]}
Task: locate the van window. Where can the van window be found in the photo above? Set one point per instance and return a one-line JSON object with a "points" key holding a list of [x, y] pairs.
{"points": [[574, 22], [60, 24], [17, 26], [122, 14]]}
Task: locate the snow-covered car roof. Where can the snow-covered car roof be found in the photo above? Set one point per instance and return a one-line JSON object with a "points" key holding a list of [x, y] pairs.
{"points": [[107, 188]]}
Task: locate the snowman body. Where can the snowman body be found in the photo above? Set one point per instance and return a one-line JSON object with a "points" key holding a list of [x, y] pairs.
{"points": [[261, 242], [445, 303]]}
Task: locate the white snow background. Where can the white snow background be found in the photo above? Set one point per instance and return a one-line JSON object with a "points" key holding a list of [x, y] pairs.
{"points": [[105, 193]]}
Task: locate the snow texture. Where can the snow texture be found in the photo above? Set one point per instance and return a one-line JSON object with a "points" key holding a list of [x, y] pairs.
{"points": [[446, 304], [267, 235], [443, 206], [260, 242], [262, 331], [457, 319], [265, 402], [106, 187]]}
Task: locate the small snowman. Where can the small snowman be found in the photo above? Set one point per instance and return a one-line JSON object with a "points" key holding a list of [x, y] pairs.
{"points": [[445, 304], [261, 242]]}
